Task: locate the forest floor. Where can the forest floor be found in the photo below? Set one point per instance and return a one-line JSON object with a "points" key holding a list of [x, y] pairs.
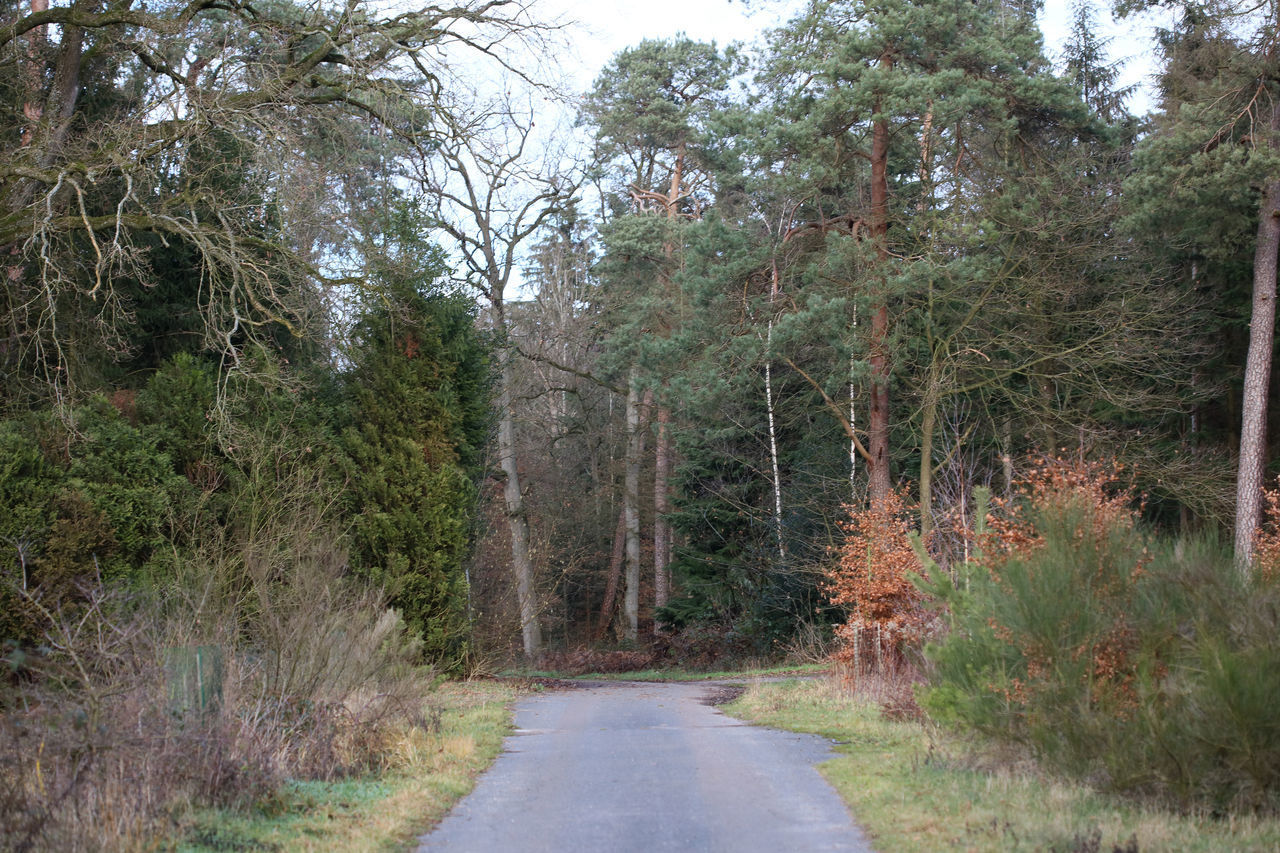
{"points": [[915, 788]]}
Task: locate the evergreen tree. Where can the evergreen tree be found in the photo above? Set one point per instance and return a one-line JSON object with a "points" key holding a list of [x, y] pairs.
{"points": [[418, 390], [1208, 181], [652, 109]]}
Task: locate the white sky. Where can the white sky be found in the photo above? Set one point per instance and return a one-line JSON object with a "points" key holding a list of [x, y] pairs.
{"points": [[607, 26]]}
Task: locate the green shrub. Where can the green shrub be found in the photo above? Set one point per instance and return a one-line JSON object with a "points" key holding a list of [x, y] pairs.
{"points": [[418, 400], [93, 501], [123, 473], [1144, 665]]}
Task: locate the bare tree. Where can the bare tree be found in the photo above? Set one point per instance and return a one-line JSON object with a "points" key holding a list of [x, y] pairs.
{"points": [[88, 166], [489, 190]]}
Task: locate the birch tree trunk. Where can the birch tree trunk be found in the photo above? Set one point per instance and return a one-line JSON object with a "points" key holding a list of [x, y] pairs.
{"points": [[773, 432]]}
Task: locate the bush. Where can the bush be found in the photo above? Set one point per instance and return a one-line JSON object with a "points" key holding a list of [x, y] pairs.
{"points": [[78, 501], [99, 746], [418, 398], [1144, 665], [873, 580]]}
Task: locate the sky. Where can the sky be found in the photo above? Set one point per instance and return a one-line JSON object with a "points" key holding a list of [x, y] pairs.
{"points": [[607, 26]]}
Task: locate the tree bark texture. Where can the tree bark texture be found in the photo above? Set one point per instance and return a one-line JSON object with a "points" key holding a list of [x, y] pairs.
{"points": [[661, 509], [615, 577], [631, 509], [928, 423], [878, 421], [774, 288], [517, 520], [1257, 373]]}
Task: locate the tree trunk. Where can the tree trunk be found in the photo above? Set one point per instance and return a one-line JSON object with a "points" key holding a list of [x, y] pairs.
{"points": [[662, 446], [1006, 458], [32, 110], [615, 576], [853, 419], [661, 511], [773, 432], [928, 422], [1257, 373], [878, 422], [631, 509], [773, 455], [517, 520]]}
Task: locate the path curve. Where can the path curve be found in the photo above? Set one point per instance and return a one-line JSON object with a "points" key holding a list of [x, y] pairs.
{"points": [[647, 767]]}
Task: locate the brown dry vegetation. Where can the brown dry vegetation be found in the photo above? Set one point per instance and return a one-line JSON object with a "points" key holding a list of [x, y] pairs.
{"points": [[103, 745]]}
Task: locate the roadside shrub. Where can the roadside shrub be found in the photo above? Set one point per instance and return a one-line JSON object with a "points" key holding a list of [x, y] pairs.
{"points": [[99, 749], [126, 477], [872, 579], [1143, 665], [101, 741], [417, 393], [78, 503]]}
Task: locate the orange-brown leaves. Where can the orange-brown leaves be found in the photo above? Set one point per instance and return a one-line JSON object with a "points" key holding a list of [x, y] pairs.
{"points": [[1266, 543], [1087, 506], [873, 580]]}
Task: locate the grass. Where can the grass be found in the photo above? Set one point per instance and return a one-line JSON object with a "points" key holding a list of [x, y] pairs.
{"points": [[913, 788], [677, 674], [428, 773]]}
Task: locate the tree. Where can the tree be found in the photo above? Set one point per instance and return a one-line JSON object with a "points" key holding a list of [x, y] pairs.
{"points": [[1218, 142], [651, 108], [107, 103], [888, 108], [419, 395], [488, 192], [1088, 69]]}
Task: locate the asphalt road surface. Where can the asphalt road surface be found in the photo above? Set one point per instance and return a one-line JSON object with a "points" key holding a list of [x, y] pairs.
{"points": [[647, 767]]}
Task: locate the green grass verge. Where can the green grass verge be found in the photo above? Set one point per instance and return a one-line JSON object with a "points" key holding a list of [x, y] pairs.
{"points": [[916, 789], [431, 771], [676, 674]]}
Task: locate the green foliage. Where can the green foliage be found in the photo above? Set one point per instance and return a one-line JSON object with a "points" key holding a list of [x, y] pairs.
{"points": [[651, 107], [1141, 663], [29, 488], [94, 502], [418, 394], [121, 471], [177, 403]]}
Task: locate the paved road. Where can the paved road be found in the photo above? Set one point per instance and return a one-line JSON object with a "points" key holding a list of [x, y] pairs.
{"points": [[647, 767]]}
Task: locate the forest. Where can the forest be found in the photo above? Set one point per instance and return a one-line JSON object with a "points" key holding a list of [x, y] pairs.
{"points": [[342, 347]]}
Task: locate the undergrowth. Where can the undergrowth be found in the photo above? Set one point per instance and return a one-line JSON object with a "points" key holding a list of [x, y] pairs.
{"points": [[917, 788], [1144, 665]]}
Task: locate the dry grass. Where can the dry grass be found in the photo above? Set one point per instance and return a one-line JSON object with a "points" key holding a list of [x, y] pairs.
{"points": [[103, 742], [914, 788], [428, 771]]}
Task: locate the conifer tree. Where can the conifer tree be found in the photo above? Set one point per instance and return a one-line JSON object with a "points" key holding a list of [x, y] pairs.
{"points": [[1209, 179], [419, 390], [651, 109], [898, 116]]}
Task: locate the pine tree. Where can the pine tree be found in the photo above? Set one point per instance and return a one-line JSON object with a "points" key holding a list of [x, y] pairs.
{"points": [[1209, 179], [651, 108]]}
